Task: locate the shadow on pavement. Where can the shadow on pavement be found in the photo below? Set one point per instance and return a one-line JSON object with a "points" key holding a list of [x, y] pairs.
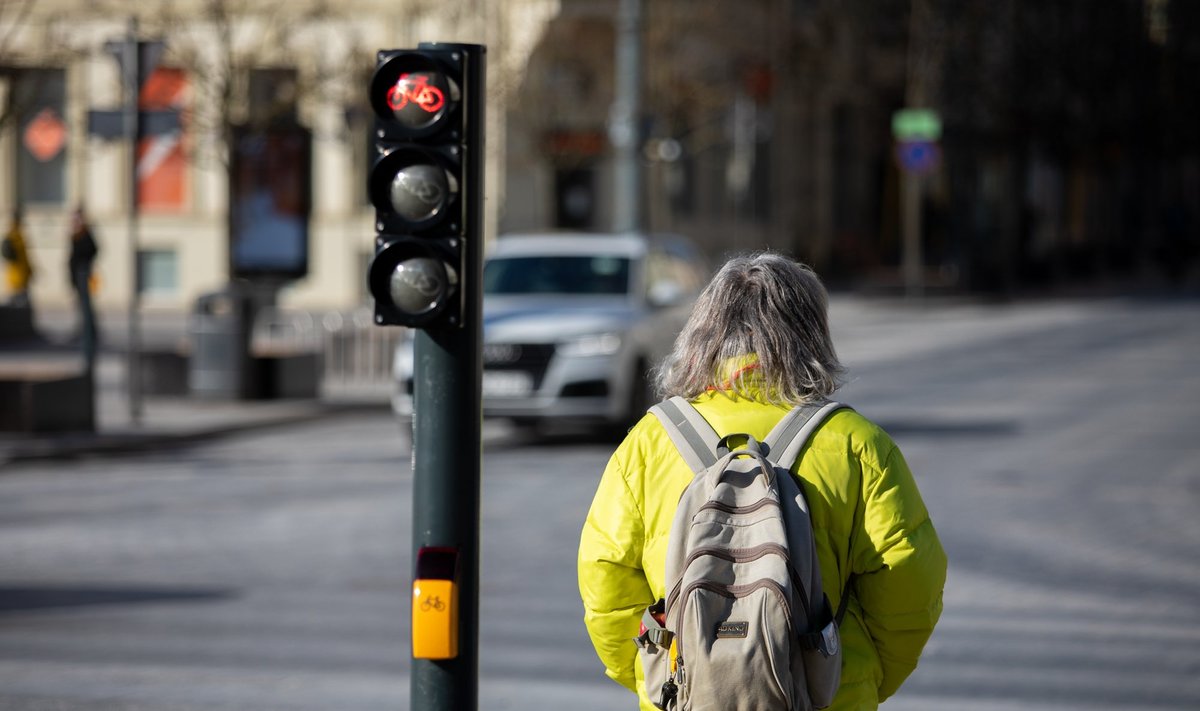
{"points": [[963, 428], [24, 598]]}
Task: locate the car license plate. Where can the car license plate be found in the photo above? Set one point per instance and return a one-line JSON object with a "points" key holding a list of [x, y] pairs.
{"points": [[506, 383]]}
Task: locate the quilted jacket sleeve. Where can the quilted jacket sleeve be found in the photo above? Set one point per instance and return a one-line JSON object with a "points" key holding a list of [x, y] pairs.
{"points": [[611, 581], [899, 563]]}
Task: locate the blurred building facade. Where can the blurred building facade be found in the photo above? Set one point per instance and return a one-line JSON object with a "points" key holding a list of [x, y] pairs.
{"points": [[234, 68], [1069, 148]]}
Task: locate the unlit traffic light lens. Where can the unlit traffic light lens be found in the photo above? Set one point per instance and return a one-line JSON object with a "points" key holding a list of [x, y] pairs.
{"points": [[419, 285], [415, 189], [419, 191]]}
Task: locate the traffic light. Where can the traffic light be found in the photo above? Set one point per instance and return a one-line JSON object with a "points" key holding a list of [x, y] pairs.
{"points": [[427, 187], [425, 183]]}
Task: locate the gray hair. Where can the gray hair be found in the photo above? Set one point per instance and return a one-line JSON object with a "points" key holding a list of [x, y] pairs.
{"points": [[763, 304]]}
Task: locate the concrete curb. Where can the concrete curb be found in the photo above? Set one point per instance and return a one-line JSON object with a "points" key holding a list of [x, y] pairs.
{"points": [[70, 446]]}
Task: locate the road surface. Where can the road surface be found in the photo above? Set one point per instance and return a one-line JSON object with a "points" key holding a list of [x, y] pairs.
{"points": [[1055, 443]]}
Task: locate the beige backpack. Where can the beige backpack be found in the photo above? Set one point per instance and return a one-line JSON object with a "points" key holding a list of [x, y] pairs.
{"points": [[746, 625]]}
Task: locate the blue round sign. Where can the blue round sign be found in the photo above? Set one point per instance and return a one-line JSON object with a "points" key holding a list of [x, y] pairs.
{"points": [[918, 157]]}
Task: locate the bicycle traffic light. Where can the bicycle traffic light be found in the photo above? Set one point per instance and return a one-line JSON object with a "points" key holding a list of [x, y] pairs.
{"points": [[425, 183]]}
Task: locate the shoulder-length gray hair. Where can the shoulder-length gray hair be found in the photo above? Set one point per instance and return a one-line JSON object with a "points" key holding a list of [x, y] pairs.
{"points": [[763, 304]]}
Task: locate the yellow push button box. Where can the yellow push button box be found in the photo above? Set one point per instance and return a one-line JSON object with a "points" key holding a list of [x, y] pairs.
{"points": [[435, 604]]}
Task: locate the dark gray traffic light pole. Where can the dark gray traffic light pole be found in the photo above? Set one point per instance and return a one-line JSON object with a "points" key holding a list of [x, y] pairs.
{"points": [[446, 466], [447, 429], [427, 187]]}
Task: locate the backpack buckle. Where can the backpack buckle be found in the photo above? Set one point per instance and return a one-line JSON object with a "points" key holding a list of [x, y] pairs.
{"points": [[652, 631], [658, 637]]}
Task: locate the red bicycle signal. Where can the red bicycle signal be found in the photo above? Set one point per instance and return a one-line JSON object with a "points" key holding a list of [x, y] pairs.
{"points": [[417, 89]]}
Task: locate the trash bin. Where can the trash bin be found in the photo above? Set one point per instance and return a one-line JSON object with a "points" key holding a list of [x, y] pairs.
{"points": [[219, 330]]}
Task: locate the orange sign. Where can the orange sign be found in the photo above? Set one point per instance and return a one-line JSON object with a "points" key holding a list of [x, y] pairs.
{"points": [[162, 161], [45, 135]]}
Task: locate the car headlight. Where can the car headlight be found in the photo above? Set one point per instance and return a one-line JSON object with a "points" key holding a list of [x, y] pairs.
{"points": [[593, 344]]}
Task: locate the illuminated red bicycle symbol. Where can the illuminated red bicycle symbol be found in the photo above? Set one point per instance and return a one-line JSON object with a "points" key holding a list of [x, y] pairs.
{"points": [[415, 88]]}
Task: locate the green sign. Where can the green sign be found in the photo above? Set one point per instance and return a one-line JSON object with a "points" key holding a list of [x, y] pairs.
{"points": [[916, 125]]}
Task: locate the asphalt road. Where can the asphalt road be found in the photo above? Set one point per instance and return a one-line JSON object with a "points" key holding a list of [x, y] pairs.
{"points": [[1055, 443]]}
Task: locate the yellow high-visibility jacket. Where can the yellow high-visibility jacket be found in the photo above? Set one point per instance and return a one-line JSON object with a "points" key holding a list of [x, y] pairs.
{"points": [[870, 524]]}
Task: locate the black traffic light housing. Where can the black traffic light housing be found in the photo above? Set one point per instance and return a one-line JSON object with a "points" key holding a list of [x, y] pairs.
{"points": [[426, 183]]}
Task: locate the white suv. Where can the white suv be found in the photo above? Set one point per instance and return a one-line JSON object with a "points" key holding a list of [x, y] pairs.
{"points": [[573, 323]]}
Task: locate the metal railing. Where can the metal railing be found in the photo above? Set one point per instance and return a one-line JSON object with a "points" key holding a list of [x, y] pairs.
{"points": [[356, 355]]}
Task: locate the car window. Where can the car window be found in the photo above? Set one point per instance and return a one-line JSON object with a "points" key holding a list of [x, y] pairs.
{"points": [[542, 274]]}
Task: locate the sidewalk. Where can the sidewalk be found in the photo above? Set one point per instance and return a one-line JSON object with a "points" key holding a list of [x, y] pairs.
{"points": [[167, 420]]}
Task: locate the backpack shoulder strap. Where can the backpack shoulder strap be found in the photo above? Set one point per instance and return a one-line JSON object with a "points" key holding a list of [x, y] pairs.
{"points": [[788, 437], [691, 434]]}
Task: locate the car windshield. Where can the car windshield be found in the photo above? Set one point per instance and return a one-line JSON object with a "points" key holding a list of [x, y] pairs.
{"points": [[545, 274]]}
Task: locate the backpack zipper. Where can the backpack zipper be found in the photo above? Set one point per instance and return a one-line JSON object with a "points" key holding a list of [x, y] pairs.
{"points": [[743, 555], [730, 591], [733, 555], [727, 508]]}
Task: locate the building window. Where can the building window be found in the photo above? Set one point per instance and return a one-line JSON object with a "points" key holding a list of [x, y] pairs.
{"points": [[38, 102], [575, 198], [158, 271], [273, 94], [679, 178]]}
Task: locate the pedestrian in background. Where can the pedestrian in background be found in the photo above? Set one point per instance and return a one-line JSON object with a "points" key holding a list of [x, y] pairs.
{"points": [[19, 268], [757, 344], [79, 266]]}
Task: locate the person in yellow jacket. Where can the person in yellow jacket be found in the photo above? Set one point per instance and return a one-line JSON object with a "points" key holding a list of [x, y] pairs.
{"points": [[756, 344], [18, 266]]}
